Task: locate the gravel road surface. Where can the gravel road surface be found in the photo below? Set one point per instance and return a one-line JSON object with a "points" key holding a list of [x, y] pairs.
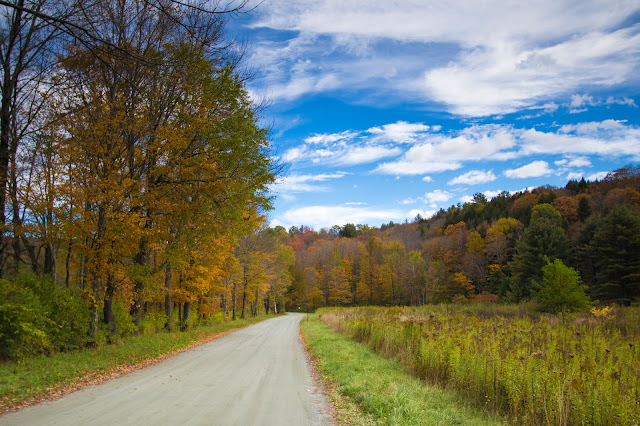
{"points": [[255, 376]]}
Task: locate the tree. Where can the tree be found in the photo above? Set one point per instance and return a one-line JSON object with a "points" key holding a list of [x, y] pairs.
{"points": [[584, 208], [560, 290], [26, 58], [614, 253], [543, 237], [348, 231]]}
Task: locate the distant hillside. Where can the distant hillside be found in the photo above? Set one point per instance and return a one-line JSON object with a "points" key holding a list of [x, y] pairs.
{"points": [[481, 250]]}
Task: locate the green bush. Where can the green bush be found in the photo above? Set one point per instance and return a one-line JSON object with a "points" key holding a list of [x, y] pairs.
{"points": [[561, 289], [37, 316], [23, 322]]}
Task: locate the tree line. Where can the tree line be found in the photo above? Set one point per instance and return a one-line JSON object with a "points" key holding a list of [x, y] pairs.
{"points": [[585, 235], [133, 172]]}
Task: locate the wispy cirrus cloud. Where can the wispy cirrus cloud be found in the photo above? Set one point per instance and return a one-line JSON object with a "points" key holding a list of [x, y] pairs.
{"points": [[542, 50], [352, 147], [439, 152], [305, 183], [453, 151]]}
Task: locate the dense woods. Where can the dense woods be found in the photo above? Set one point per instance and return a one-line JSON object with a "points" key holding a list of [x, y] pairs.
{"points": [[564, 247], [134, 174]]}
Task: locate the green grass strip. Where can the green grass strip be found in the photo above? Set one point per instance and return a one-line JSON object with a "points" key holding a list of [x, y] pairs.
{"points": [[46, 377], [384, 392]]}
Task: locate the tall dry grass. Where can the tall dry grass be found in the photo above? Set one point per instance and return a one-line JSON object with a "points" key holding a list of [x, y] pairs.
{"points": [[538, 369]]}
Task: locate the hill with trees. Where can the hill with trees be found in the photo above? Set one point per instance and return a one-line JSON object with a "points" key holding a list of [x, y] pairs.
{"points": [[484, 250]]}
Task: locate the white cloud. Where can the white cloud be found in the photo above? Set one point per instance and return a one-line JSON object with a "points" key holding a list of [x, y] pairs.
{"points": [[534, 169], [409, 200], [506, 56], [473, 177], [597, 176], [492, 194], [428, 21], [505, 77], [579, 162], [426, 214], [466, 198], [365, 154], [621, 101], [400, 132], [300, 183], [438, 196], [330, 138], [319, 217], [567, 162], [439, 153], [579, 101], [293, 154], [593, 127], [617, 142], [574, 175]]}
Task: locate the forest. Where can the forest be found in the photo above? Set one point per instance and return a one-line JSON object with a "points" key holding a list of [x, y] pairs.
{"points": [[133, 174], [566, 248]]}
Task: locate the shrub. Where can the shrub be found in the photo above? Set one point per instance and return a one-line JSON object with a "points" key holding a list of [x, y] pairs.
{"points": [[561, 289], [23, 323]]}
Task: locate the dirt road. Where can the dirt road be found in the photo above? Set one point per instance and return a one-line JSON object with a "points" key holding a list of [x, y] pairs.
{"points": [[257, 375]]}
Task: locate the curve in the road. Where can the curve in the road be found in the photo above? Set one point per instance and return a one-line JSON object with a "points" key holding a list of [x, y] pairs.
{"points": [[254, 376]]}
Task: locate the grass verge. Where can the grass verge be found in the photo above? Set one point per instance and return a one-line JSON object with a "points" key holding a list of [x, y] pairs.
{"points": [[376, 390], [40, 378]]}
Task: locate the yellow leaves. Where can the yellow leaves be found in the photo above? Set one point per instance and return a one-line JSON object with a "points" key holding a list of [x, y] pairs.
{"points": [[462, 281], [475, 243], [452, 231], [605, 313]]}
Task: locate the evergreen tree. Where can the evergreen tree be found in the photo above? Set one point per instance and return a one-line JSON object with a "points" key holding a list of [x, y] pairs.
{"points": [[584, 209], [544, 237], [615, 253]]}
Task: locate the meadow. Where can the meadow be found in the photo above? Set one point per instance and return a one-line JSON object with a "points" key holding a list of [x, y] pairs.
{"points": [[535, 368]]}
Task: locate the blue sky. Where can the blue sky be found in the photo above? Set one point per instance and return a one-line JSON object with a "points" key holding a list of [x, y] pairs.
{"points": [[383, 110]]}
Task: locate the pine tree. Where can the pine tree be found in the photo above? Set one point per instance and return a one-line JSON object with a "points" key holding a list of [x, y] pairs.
{"points": [[615, 253], [543, 237]]}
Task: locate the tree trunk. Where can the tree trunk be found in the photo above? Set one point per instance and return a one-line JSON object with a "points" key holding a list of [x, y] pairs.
{"points": [[186, 315], [225, 304], [109, 318], [8, 88], [244, 303], [67, 261], [141, 259], [49, 260], [256, 302], [95, 318], [244, 292], [167, 297], [233, 299]]}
